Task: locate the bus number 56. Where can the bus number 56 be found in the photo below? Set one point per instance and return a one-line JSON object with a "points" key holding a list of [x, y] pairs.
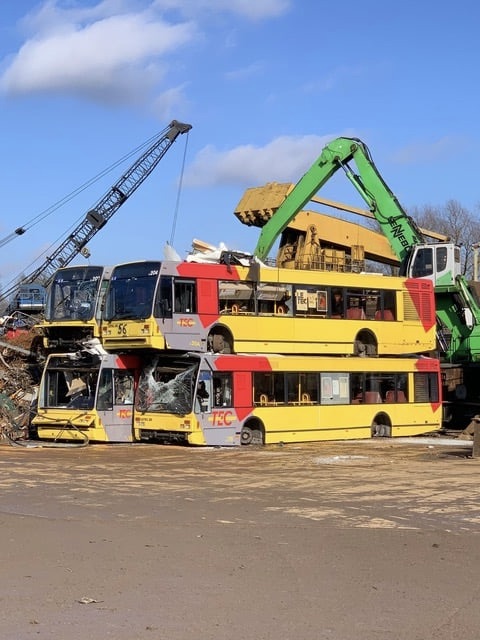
{"points": [[122, 329]]}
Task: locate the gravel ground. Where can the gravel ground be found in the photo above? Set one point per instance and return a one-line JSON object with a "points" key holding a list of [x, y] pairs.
{"points": [[338, 541]]}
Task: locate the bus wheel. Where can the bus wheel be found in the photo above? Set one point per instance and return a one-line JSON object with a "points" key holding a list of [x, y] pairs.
{"points": [[381, 426], [220, 343], [252, 433], [366, 345]]}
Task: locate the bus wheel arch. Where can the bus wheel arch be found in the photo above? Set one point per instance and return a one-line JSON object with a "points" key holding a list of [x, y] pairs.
{"points": [[253, 432], [220, 340], [381, 426], [366, 344]]}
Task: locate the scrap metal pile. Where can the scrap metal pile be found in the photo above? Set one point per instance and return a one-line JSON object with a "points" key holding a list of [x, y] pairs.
{"points": [[21, 365]]}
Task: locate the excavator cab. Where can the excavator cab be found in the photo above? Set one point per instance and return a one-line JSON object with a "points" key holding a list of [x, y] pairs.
{"points": [[439, 262]]}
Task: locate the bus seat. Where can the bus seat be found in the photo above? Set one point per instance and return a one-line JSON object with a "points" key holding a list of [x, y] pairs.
{"points": [[355, 313], [306, 397], [385, 315], [390, 396], [263, 399], [372, 397]]}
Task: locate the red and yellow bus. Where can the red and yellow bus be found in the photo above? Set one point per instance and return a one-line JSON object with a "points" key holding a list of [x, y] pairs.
{"points": [[228, 400], [232, 308], [85, 397]]}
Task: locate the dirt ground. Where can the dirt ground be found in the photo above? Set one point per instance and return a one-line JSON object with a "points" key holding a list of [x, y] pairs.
{"points": [[338, 541]]}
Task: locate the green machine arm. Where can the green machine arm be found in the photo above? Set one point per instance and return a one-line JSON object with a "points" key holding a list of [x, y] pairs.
{"points": [[397, 226]]}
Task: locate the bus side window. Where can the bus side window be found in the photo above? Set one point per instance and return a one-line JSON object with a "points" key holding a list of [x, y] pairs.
{"points": [[105, 391], [163, 302], [222, 390], [185, 297], [203, 395]]}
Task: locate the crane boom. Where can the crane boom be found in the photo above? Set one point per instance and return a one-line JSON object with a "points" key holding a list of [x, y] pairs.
{"points": [[105, 208]]}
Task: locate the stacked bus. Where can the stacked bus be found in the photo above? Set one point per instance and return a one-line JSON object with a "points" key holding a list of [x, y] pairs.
{"points": [[73, 307], [261, 345], [229, 400], [231, 308], [226, 400], [87, 397]]}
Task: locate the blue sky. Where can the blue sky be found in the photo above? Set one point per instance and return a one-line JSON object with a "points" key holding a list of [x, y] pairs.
{"points": [[265, 85]]}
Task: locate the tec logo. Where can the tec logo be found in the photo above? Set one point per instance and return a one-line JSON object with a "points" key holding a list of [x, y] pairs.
{"points": [[124, 413], [222, 418], [186, 322]]}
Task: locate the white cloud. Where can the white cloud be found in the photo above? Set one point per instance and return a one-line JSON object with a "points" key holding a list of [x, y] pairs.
{"points": [[100, 52], [249, 9], [284, 159]]}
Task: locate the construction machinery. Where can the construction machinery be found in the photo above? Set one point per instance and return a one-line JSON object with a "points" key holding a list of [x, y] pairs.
{"points": [[316, 240], [457, 302], [97, 217]]}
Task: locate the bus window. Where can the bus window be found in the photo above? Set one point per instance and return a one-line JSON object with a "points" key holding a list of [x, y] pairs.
{"points": [[222, 390], [123, 384], [165, 390], [236, 297], [105, 391], [309, 388], [203, 395], [163, 302], [185, 296], [273, 298], [293, 388], [310, 301], [334, 388]]}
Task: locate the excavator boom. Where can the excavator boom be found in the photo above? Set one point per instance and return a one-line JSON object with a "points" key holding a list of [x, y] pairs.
{"points": [[397, 226]]}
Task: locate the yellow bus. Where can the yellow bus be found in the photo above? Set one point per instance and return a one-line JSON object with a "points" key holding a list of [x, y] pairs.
{"points": [[233, 308], [85, 397], [72, 310], [229, 400]]}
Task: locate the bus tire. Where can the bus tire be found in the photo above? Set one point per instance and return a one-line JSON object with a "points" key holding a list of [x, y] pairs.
{"points": [[365, 345], [381, 426], [221, 343], [252, 433]]}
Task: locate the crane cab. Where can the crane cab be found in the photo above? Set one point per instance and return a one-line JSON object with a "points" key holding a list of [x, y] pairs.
{"points": [[439, 262]]}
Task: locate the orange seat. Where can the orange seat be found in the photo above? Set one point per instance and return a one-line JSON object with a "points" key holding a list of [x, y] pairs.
{"points": [[355, 313], [390, 396], [372, 397], [385, 315]]}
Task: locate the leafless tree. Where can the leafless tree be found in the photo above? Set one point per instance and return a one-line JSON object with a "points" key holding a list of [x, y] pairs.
{"points": [[461, 225]]}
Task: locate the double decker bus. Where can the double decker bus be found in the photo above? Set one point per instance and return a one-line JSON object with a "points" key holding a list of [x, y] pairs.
{"points": [[86, 397], [73, 307], [236, 308], [228, 400]]}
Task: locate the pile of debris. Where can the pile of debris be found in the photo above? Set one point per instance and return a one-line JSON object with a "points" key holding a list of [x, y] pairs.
{"points": [[21, 363]]}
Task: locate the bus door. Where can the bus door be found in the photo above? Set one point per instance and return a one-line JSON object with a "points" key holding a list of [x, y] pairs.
{"points": [[115, 404], [213, 408]]}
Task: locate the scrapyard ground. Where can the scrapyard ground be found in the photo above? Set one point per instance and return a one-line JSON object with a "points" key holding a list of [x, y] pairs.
{"points": [[343, 540]]}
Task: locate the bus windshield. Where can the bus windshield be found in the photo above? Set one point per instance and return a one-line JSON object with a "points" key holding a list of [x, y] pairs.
{"points": [[166, 386], [130, 291], [70, 382], [73, 294]]}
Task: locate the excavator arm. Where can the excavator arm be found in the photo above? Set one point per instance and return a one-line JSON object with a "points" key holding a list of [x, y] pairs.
{"points": [[400, 230]]}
